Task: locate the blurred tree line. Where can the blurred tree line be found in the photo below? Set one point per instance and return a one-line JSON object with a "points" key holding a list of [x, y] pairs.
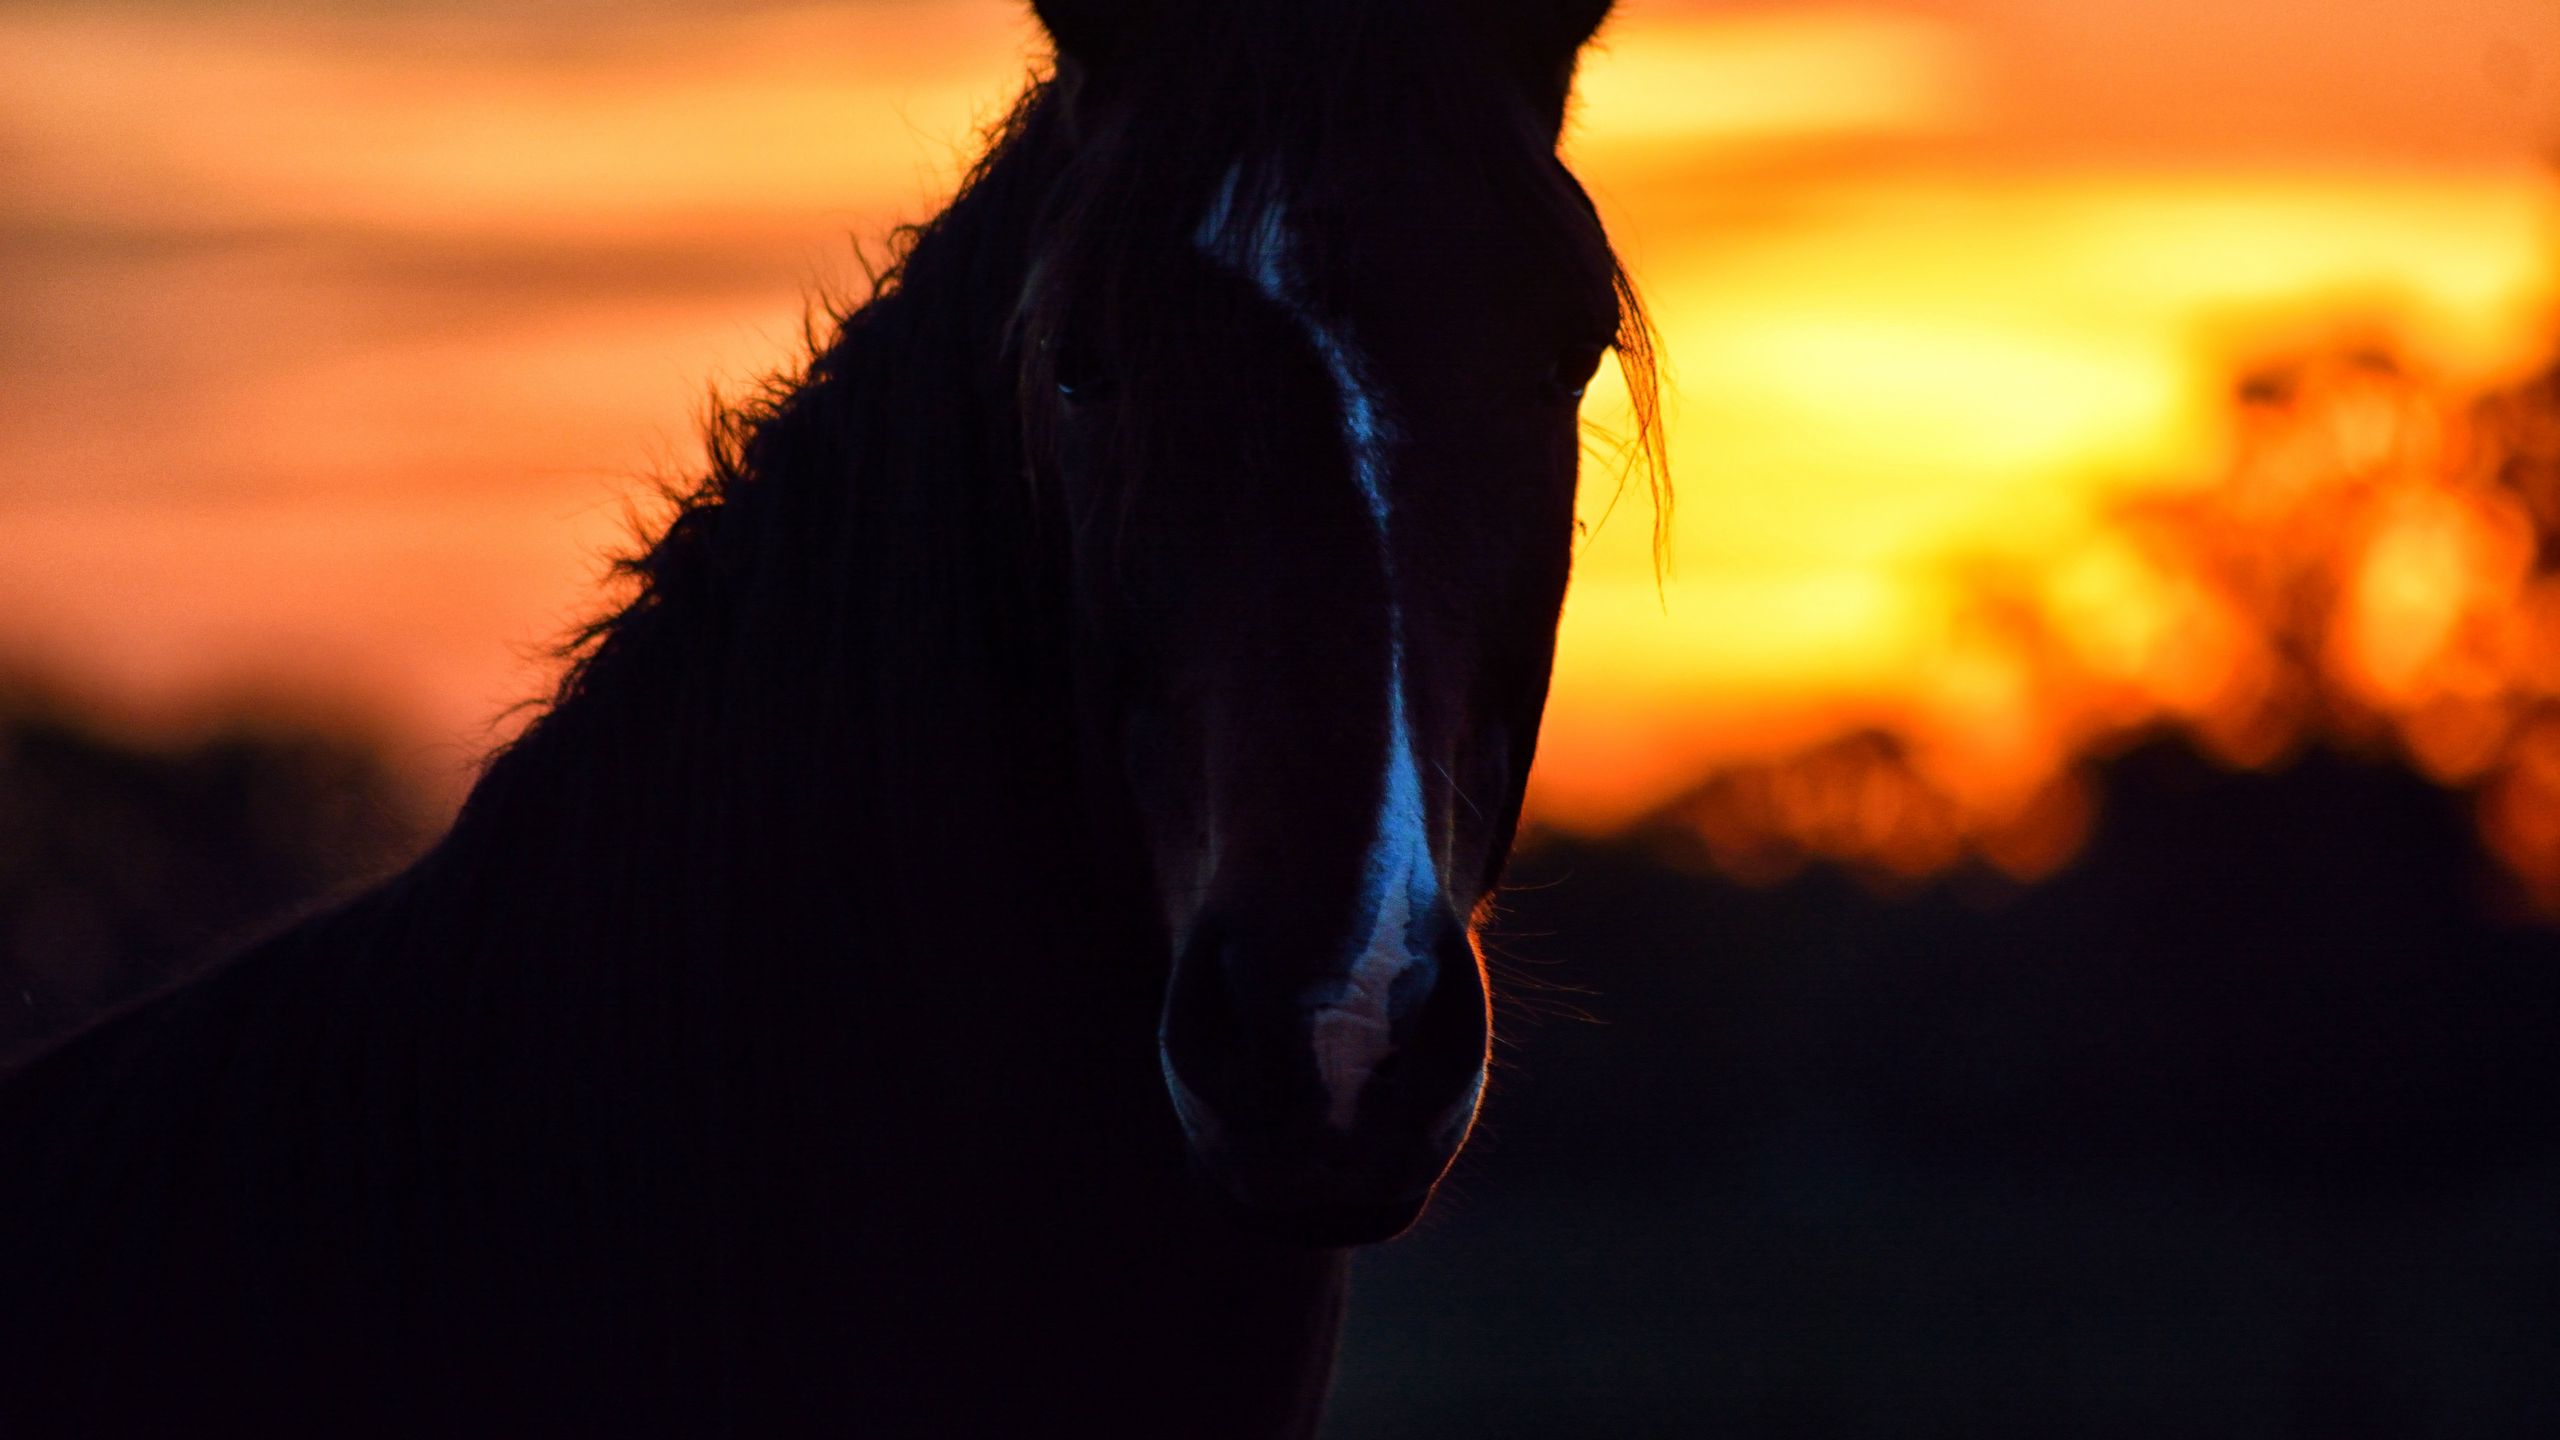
{"points": [[2376, 571], [124, 863], [2245, 1124]]}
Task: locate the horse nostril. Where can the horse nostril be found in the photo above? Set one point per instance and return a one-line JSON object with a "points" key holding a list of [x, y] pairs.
{"points": [[1230, 1048], [1261, 1036], [1413, 986]]}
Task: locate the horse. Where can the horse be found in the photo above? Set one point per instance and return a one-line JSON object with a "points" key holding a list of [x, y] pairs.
{"points": [[990, 920]]}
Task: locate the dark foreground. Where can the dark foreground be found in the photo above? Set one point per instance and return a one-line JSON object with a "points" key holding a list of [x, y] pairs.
{"points": [[2246, 1126]]}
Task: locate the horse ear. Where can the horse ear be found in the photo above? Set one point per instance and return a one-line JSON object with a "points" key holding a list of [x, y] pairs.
{"points": [[1090, 31], [1541, 38], [1574, 21]]}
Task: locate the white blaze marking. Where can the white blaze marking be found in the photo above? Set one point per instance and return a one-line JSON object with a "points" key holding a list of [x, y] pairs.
{"points": [[1350, 1022]]}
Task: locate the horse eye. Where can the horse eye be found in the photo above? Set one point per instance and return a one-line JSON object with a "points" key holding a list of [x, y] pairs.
{"points": [[1574, 368], [1078, 374]]}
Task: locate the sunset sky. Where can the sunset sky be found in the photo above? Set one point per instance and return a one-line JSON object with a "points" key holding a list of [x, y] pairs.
{"points": [[337, 340]]}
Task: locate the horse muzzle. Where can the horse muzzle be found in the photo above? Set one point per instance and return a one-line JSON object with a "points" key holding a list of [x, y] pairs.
{"points": [[1325, 1106]]}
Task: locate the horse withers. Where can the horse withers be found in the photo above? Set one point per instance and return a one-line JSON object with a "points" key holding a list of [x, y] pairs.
{"points": [[992, 918]]}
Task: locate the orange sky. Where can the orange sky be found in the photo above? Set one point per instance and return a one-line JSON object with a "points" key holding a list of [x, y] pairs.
{"points": [[336, 337]]}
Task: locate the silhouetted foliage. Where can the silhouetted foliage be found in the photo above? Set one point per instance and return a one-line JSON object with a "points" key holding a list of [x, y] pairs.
{"points": [[2376, 571]]}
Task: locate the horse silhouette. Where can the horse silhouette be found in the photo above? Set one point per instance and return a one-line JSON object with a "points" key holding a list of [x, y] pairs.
{"points": [[989, 922]]}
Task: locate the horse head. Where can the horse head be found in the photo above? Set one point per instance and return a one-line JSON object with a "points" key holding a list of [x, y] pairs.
{"points": [[1302, 363]]}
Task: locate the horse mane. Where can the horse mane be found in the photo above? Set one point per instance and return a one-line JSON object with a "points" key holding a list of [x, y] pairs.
{"points": [[871, 412], [857, 374], [856, 571]]}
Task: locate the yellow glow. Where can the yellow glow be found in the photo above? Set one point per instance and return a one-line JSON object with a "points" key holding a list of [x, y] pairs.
{"points": [[337, 346], [1664, 78], [1933, 370]]}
